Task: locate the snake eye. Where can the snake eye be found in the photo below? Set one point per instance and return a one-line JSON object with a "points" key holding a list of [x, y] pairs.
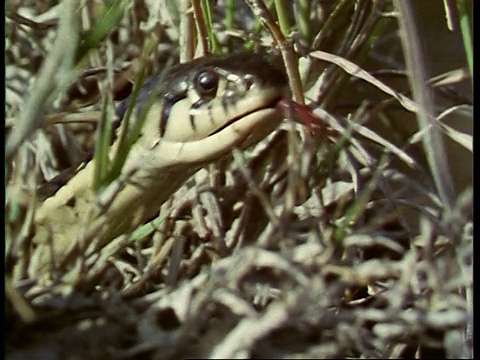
{"points": [[206, 83]]}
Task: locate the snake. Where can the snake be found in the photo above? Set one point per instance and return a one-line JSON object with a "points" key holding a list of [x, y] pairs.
{"points": [[194, 114]]}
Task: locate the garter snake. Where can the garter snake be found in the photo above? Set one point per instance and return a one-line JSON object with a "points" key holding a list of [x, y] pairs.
{"points": [[204, 109]]}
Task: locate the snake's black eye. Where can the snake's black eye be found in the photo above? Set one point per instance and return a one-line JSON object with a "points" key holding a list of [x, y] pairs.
{"points": [[206, 83]]}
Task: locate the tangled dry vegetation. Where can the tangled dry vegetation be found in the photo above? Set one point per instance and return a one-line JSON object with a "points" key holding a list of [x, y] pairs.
{"points": [[298, 248]]}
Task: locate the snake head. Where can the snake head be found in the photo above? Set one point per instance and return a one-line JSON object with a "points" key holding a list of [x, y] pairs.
{"points": [[214, 100]]}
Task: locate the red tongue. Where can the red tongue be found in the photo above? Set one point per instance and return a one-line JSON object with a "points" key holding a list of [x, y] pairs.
{"points": [[303, 115]]}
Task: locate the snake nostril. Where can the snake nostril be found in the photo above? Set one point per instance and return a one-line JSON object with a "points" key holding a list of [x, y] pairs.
{"points": [[249, 82]]}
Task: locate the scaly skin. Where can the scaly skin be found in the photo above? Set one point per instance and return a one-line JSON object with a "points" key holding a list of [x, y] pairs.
{"points": [[188, 126]]}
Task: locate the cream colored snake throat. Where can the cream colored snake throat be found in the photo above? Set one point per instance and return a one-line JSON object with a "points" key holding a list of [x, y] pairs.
{"points": [[199, 113]]}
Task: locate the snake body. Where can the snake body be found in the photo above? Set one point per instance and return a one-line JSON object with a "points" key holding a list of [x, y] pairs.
{"points": [[201, 111]]}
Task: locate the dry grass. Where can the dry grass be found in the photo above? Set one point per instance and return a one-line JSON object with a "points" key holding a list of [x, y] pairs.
{"points": [[299, 248]]}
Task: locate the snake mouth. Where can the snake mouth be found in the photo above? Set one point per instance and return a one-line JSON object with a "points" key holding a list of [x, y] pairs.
{"points": [[271, 105]]}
